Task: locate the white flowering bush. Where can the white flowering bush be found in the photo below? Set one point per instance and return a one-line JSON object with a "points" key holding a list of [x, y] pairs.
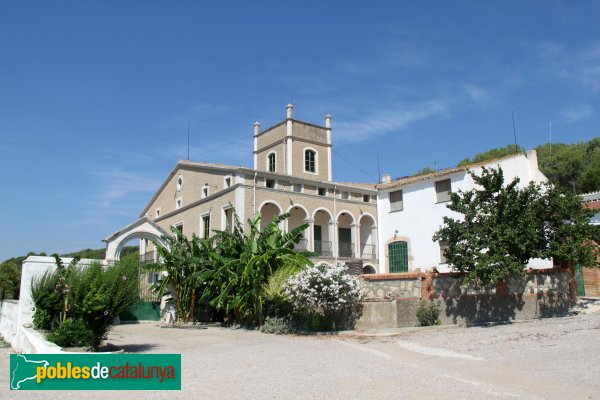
{"points": [[327, 291]]}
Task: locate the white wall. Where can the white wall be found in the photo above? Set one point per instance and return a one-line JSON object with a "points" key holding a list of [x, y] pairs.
{"points": [[421, 216]]}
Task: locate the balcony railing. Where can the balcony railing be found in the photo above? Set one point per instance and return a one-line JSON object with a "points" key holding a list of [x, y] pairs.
{"points": [[147, 258], [323, 248], [301, 245], [346, 250], [368, 251]]}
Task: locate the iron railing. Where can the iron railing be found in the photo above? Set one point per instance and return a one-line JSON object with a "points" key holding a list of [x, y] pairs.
{"points": [[323, 248], [368, 251], [147, 258], [346, 249], [302, 245]]}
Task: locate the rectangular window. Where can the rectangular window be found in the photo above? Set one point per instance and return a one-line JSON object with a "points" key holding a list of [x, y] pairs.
{"points": [[396, 201], [322, 191], [228, 219], [345, 195], [297, 187], [179, 227], [443, 246], [270, 183], [206, 226], [271, 160], [310, 161], [366, 198], [443, 190], [227, 182]]}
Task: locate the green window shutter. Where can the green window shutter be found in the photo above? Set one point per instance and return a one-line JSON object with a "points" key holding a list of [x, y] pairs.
{"points": [[398, 256]]}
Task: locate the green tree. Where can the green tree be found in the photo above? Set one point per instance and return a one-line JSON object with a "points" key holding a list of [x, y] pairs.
{"points": [[574, 167], [503, 226], [181, 259], [243, 264]]}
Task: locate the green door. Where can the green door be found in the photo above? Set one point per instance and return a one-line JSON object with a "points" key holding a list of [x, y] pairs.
{"points": [[345, 242], [398, 254], [579, 280], [318, 245]]}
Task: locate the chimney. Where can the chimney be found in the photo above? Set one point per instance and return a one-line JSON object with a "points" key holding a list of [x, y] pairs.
{"points": [[328, 121], [256, 128], [290, 107], [386, 178]]}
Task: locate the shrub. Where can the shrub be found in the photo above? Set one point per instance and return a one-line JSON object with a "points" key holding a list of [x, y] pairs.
{"points": [[71, 333], [428, 313], [278, 326], [42, 319], [326, 291], [276, 302], [92, 295]]}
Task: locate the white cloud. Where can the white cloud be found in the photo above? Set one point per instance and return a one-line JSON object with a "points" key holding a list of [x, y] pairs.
{"points": [[477, 94], [578, 113], [579, 66], [116, 185], [398, 117]]}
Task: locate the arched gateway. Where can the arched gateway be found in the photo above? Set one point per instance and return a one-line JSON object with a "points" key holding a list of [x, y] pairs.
{"points": [[143, 228]]}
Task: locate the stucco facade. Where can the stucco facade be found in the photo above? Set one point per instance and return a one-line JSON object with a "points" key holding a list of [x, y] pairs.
{"points": [[341, 217], [417, 212]]}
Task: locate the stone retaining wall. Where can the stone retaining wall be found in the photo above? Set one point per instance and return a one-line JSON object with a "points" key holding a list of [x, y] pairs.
{"points": [[392, 299]]}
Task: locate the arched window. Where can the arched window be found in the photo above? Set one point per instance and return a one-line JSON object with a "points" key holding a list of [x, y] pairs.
{"points": [[271, 162], [310, 157]]}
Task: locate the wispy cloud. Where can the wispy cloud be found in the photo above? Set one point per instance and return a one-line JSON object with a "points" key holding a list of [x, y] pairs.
{"points": [[578, 113], [398, 117], [579, 66], [403, 54], [115, 185], [477, 94]]}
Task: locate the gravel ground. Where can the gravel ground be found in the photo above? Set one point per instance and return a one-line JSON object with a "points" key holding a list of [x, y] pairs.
{"points": [[542, 359]]}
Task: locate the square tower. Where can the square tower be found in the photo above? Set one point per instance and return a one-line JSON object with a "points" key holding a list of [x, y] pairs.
{"points": [[295, 148]]}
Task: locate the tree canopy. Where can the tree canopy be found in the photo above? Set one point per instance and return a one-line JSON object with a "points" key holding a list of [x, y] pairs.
{"points": [[503, 226], [575, 167], [492, 154]]}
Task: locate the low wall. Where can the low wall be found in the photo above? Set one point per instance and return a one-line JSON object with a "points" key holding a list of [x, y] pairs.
{"points": [[392, 299], [9, 320], [17, 316]]}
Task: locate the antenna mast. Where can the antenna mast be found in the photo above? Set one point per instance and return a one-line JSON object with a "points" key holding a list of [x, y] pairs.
{"points": [[188, 153], [514, 129], [378, 170], [550, 142]]}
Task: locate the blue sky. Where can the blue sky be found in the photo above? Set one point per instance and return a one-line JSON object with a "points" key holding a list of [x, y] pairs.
{"points": [[95, 96]]}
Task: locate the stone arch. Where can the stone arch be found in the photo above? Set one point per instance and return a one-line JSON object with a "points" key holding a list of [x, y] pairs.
{"points": [[143, 228], [369, 269], [345, 212], [268, 209], [368, 236], [323, 226]]}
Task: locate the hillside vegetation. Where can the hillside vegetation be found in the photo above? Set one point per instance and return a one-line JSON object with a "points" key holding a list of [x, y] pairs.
{"points": [[575, 167]]}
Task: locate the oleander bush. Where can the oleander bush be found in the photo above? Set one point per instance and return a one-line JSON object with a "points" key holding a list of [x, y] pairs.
{"points": [[325, 297]]}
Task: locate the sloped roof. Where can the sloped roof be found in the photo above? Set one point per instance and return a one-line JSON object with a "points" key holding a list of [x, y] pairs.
{"points": [[441, 173]]}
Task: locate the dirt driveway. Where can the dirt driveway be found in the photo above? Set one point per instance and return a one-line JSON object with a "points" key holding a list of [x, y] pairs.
{"points": [[543, 359]]}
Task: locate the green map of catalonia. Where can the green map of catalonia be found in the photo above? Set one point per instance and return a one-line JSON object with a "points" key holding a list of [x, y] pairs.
{"points": [[24, 370]]}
